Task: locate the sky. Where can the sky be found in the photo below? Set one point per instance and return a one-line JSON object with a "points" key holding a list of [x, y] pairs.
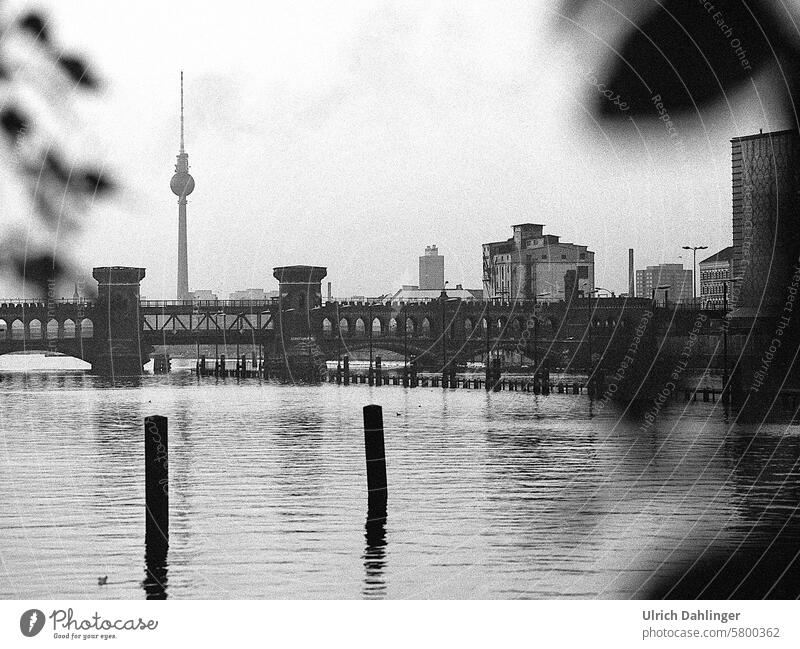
{"points": [[352, 134]]}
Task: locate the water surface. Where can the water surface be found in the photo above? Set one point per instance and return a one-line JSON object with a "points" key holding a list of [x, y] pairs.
{"points": [[497, 495]]}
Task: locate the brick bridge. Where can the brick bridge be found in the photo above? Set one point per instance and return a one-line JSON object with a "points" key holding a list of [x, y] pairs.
{"points": [[118, 332]]}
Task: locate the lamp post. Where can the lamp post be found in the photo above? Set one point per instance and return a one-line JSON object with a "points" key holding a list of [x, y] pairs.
{"points": [[370, 375], [536, 328], [725, 392], [405, 346], [488, 348], [443, 298], [694, 250]]}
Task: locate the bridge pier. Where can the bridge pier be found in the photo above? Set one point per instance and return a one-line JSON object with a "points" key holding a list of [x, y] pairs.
{"points": [[118, 324]]}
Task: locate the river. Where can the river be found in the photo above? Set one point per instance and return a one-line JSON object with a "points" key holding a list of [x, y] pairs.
{"points": [[501, 495]]}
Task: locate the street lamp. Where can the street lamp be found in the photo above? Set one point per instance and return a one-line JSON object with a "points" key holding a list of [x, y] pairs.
{"points": [[694, 250], [370, 375], [405, 346], [536, 327], [443, 298], [725, 392]]}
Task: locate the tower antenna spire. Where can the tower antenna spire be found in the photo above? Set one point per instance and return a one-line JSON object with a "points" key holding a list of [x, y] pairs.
{"points": [[181, 111]]}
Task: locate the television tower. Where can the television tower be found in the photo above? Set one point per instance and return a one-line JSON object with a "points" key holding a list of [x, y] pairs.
{"points": [[182, 184]]}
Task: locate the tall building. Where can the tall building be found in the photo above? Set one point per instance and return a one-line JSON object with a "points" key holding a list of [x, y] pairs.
{"points": [[182, 184], [431, 269], [715, 272], [675, 276], [533, 265], [766, 241]]}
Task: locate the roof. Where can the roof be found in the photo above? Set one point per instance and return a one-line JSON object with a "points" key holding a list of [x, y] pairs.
{"points": [[432, 294], [726, 254], [762, 135]]}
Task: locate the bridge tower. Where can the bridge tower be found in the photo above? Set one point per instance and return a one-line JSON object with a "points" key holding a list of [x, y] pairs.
{"points": [[182, 184], [300, 291], [118, 324], [300, 287]]}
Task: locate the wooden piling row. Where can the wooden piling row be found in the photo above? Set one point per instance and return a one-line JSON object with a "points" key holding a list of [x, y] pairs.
{"points": [[536, 385]]}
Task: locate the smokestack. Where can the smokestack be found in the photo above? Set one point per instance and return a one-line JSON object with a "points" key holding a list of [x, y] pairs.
{"points": [[631, 275], [330, 298]]}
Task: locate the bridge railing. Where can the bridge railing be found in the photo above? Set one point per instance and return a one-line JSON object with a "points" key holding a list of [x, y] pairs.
{"points": [[28, 303], [222, 304], [583, 302]]}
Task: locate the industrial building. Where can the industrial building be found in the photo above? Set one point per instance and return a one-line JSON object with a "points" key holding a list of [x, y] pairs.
{"points": [[532, 265]]}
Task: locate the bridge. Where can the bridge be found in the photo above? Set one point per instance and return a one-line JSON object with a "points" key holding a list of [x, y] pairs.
{"points": [[118, 332]]}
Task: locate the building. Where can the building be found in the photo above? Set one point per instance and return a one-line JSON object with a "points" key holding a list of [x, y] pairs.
{"points": [[766, 240], [255, 294], [182, 184], [533, 265], [416, 294], [715, 272], [674, 276], [431, 269], [203, 295]]}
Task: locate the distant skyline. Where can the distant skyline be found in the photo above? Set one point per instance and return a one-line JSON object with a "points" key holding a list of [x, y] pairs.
{"points": [[351, 135]]}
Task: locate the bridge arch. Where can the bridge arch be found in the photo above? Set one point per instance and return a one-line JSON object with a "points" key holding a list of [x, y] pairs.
{"points": [[87, 328], [393, 327], [425, 328], [344, 327], [327, 328], [17, 330], [69, 328], [377, 326], [468, 327], [52, 329], [3, 328], [411, 326], [35, 329], [360, 328]]}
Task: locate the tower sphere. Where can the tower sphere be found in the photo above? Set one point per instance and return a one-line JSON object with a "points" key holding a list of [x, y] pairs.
{"points": [[182, 184]]}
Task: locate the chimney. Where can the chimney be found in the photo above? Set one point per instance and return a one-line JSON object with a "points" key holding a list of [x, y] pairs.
{"points": [[631, 275], [330, 298]]}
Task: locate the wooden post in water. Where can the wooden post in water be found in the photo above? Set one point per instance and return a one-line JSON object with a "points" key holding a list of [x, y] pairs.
{"points": [[376, 461], [222, 369], [346, 369], [156, 480]]}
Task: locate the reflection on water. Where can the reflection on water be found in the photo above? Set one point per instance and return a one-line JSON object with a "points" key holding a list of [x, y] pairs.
{"points": [[490, 495], [155, 561], [375, 556]]}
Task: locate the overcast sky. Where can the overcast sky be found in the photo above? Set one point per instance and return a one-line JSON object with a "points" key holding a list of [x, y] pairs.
{"points": [[353, 134]]}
